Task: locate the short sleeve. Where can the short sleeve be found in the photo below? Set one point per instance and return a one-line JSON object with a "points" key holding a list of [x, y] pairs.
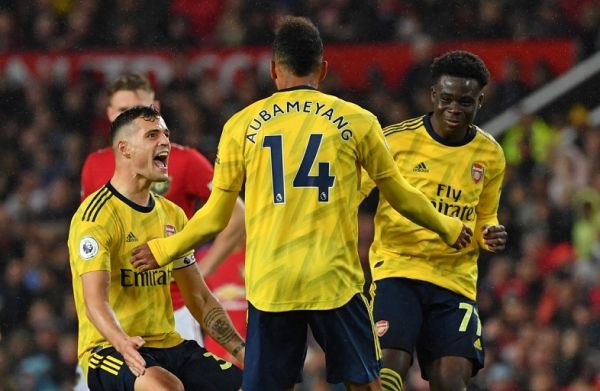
{"points": [[230, 171], [374, 154], [90, 250]]}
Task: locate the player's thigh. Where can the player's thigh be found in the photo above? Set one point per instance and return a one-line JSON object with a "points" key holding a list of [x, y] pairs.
{"points": [[107, 371], [187, 326], [158, 379], [348, 338], [199, 369], [276, 344], [397, 313], [452, 328]]}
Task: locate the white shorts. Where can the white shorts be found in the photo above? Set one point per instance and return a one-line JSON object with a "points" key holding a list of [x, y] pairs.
{"points": [[188, 326], [80, 384]]}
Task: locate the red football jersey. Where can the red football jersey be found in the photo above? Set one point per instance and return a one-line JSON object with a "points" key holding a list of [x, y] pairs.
{"points": [[190, 175]]}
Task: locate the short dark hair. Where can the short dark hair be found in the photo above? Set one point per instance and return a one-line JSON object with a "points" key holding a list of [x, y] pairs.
{"points": [[129, 82], [460, 63], [130, 115], [298, 45]]}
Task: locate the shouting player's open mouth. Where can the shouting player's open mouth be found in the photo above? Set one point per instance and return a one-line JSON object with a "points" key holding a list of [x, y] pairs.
{"points": [[161, 160]]}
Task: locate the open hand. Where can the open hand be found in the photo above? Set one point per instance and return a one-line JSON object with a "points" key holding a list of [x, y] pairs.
{"points": [[495, 237], [129, 350], [464, 238], [143, 259]]}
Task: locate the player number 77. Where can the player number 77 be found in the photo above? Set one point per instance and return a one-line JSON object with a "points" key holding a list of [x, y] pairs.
{"points": [[323, 181], [469, 310]]}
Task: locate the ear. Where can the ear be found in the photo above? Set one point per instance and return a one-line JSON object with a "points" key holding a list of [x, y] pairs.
{"points": [[480, 101], [111, 113], [273, 71], [124, 149], [323, 72], [156, 105]]}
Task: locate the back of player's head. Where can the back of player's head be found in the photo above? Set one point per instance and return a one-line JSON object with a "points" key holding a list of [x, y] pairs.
{"points": [[298, 45], [460, 63], [129, 82], [127, 117]]}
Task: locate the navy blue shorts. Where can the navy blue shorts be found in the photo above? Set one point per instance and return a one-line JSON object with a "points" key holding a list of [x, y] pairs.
{"points": [[412, 314], [276, 345], [192, 364]]}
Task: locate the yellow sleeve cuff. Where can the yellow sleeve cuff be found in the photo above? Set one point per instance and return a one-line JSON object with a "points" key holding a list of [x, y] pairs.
{"points": [[157, 248]]}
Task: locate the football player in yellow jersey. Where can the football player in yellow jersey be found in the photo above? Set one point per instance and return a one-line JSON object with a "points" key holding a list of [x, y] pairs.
{"points": [[299, 152], [127, 337], [425, 296]]}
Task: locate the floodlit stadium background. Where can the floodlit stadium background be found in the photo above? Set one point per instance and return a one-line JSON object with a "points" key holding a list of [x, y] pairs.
{"points": [[539, 301]]}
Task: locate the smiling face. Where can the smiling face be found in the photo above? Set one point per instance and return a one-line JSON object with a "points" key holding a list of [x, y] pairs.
{"points": [[145, 144], [455, 102]]}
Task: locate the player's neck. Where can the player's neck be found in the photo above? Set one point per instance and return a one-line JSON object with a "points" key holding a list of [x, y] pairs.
{"points": [[131, 186], [287, 80]]}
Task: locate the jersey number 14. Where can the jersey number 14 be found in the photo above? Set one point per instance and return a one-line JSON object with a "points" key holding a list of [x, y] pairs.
{"points": [[323, 181]]}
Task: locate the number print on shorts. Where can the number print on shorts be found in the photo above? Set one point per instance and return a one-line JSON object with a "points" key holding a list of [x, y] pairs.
{"points": [[222, 363], [469, 311]]}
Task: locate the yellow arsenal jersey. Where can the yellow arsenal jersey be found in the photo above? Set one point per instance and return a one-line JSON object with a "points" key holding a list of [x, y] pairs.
{"points": [[103, 231], [299, 154], [463, 180]]}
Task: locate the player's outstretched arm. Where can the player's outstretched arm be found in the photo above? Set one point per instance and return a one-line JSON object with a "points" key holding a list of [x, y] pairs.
{"points": [[225, 242], [207, 310], [96, 285], [203, 226], [413, 204]]}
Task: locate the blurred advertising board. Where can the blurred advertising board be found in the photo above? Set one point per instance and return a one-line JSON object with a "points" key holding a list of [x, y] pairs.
{"points": [[353, 64]]}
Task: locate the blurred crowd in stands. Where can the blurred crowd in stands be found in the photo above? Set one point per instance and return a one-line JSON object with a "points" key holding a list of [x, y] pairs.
{"points": [[84, 24], [539, 301]]}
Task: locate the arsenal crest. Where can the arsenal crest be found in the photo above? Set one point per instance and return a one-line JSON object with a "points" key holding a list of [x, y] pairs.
{"points": [[477, 172], [382, 327], [169, 230]]}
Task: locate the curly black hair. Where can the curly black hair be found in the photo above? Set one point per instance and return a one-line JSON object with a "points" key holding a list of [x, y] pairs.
{"points": [[298, 45], [460, 63]]}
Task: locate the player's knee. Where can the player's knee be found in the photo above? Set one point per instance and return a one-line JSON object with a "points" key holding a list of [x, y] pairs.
{"points": [[373, 386], [448, 383], [397, 360], [391, 380], [166, 385], [450, 373], [158, 379]]}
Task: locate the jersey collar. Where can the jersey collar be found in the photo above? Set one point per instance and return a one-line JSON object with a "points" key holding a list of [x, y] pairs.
{"points": [[139, 208], [299, 87]]}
